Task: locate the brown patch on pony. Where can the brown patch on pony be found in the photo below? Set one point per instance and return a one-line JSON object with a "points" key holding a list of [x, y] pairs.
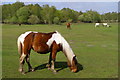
{"points": [[39, 42], [55, 48]]}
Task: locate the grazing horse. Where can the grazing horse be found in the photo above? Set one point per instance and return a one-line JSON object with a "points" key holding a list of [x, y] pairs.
{"points": [[68, 25], [97, 24], [106, 25], [43, 43]]}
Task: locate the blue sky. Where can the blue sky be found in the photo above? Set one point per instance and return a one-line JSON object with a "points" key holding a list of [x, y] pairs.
{"points": [[101, 7], [61, 0]]}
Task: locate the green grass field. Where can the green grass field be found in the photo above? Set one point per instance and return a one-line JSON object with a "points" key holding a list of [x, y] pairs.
{"points": [[96, 50]]}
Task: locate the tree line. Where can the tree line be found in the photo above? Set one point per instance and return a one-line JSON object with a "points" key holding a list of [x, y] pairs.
{"points": [[19, 13]]}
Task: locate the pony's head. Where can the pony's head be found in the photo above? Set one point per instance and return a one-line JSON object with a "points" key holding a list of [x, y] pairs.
{"points": [[73, 66]]}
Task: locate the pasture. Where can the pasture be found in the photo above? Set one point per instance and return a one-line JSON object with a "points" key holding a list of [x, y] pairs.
{"points": [[96, 50]]}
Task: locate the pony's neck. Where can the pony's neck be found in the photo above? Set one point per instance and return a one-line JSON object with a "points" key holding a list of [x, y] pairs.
{"points": [[68, 51]]}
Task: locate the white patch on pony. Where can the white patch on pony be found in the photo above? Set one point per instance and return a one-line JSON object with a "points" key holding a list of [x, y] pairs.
{"points": [[21, 38], [22, 57], [66, 47], [105, 24]]}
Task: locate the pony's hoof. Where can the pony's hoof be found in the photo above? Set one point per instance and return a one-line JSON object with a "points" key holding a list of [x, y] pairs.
{"points": [[48, 65], [48, 68], [54, 71], [23, 73], [31, 70], [20, 70]]}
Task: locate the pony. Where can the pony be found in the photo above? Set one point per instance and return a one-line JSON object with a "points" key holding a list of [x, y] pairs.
{"points": [[68, 25], [105, 25], [97, 24], [44, 43]]}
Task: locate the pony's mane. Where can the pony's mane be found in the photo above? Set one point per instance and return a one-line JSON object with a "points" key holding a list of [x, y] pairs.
{"points": [[59, 39]]}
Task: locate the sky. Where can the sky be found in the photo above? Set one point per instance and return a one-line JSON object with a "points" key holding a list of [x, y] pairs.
{"points": [[61, 0], [101, 6]]}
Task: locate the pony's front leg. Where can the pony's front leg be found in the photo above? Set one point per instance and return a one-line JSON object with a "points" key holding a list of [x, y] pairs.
{"points": [[53, 66], [49, 63], [54, 52]]}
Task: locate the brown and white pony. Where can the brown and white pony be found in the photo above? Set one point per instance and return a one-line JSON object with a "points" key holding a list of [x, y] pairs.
{"points": [[44, 43]]}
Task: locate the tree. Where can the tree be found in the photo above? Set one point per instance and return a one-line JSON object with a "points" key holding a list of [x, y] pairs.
{"points": [[23, 14], [14, 19], [35, 10], [110, 17], [33, 19], [9, 10], [69, 14], [15, 6], [90, 16], [48, 13], [56, 20], [6, 12]]}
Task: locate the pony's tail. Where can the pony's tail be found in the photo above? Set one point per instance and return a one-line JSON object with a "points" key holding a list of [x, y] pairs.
{"points": [[19, 46]]}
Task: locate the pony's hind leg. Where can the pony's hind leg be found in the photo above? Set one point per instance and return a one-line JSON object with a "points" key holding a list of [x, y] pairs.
{"points": [[22, 57], [28, 62]]}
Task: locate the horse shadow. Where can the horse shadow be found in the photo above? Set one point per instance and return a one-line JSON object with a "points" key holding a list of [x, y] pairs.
{"points": [[58, 66]]}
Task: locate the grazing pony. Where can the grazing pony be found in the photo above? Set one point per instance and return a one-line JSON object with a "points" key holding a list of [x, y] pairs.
{"points": [[68, 25], [44, 43], [97, 24], [105, 25]]}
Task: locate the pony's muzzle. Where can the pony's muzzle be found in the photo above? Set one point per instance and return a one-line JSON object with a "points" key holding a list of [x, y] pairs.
{"points": [[74, 70]]}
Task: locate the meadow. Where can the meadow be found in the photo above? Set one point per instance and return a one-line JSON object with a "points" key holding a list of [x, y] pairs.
{"points": [[96, 50]]}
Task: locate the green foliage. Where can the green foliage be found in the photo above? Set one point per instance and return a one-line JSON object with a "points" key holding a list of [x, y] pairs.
{"points": [[14, 19], [9, 10], [6, 12], [56, 20], [23, 14], [69, 20], [46, 14], [0, 13], [35, 10], [15, 6], [109, 17], [33, 19], [90, 16]]}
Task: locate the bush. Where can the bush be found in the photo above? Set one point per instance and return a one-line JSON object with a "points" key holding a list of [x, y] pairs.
{"points": [[33, 19], [56, 20], [14, 19]]}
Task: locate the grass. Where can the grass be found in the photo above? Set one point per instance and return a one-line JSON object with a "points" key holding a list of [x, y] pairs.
{"points": [[96, 50]]}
